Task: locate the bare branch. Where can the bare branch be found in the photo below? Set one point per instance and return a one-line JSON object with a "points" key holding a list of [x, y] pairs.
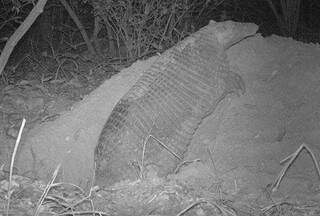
{"points": [[18, 34]]}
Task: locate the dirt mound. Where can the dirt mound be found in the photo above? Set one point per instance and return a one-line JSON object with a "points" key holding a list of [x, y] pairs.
{"points": [[239, 147], [244, 144]]}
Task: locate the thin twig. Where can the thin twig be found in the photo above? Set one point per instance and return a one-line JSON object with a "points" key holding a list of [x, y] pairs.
{"points": [[47, 189], [291, 159], [12, 162]]}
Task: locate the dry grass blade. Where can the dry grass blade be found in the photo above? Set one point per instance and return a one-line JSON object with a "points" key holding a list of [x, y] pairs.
{"points": [[265, 209], [47, 189], [166, 147], [190, 207], [291, 159], [142, 158], [224, 210], [185, 163], [86, 198], [100, 213], [69, 208], [144, 150], [12, 162]]}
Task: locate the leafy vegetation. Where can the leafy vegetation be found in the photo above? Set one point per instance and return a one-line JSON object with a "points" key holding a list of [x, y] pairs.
{"points": [[68, 33]]}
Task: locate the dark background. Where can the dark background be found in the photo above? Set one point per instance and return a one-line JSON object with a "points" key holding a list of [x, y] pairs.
{"points": [[126, 30]]}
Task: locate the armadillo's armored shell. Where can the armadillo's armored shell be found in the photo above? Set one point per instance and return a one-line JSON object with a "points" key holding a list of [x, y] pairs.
{"points": [[152, 125]]}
